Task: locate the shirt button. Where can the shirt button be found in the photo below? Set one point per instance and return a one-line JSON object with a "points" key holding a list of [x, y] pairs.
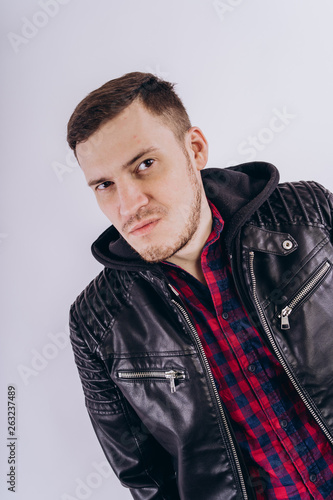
{"points": [[313, 478], [225, 315], [283, 423], [251, 368]]}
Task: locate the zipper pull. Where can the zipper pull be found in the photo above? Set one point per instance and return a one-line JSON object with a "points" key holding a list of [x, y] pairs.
{"points": [[173, 289], [285, 325], [171, 375]]}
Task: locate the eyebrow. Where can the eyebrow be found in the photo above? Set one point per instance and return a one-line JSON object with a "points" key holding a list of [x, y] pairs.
{"points": [[93, 182]]}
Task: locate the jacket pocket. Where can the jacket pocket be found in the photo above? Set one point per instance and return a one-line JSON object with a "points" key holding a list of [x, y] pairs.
{"points": [[159, 375], [303, 294]]}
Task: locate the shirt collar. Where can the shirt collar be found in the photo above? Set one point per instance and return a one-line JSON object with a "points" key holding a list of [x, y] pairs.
{"points": [[217, 225]]}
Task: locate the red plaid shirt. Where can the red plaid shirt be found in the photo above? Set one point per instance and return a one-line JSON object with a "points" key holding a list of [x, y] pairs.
{"points": [[287, 454]]}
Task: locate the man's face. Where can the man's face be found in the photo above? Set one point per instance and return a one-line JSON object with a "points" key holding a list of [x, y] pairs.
{"points": [[147, 185]]}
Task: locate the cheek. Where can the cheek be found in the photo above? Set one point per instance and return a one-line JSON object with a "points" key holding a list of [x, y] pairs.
{"points": [[173, 191]]}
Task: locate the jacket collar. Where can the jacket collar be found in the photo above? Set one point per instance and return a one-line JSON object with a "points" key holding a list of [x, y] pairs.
{"points": [[237, 192]]}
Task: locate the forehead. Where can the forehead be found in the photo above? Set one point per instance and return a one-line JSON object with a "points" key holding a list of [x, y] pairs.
{"points": [[134, 129]]}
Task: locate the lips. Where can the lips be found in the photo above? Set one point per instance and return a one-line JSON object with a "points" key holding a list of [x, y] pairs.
{"points": [[144, 227]]}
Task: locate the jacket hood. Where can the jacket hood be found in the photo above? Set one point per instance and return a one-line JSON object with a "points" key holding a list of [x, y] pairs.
{"points": [[237, 192]]}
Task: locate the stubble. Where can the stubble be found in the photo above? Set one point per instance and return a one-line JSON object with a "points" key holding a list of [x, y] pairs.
{"points": [[191, 214]]}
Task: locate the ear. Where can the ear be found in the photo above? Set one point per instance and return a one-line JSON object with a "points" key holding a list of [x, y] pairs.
{"points": [[197, 147]]}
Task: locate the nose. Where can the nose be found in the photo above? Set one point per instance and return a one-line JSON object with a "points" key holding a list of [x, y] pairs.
{"points": [[131, 198]]}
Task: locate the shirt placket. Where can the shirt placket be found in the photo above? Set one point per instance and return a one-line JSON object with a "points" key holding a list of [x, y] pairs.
{"points": [[252, 363]]}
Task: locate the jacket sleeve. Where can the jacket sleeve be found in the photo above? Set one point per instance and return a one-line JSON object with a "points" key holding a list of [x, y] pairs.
{"points": [[323, 204], [329, 219], [138, 460]]}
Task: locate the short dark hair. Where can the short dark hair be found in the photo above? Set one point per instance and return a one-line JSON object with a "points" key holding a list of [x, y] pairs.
{"points": [[106, 102]]}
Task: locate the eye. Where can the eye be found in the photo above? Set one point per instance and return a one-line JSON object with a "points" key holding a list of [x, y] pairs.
{"points": [[103, 186], [145, 164]]}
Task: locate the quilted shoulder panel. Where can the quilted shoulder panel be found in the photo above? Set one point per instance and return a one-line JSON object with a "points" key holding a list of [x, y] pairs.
{"points": [[304, 202]]}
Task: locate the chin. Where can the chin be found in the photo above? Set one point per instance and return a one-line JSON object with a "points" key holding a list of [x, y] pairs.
{"points": [[154, 254]]}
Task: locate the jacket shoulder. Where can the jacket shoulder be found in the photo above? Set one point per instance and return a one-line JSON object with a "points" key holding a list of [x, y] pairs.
{"points": [[303, 202], [93, 311]]}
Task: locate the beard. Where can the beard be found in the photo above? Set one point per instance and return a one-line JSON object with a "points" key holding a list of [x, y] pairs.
{"points": [[190, 213]]}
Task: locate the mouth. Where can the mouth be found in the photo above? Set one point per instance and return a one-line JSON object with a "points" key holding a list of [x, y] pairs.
{"points": [[144, 227]]}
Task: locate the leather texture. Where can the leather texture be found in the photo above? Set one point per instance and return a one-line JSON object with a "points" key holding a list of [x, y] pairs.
{"points": [[179, 445]]}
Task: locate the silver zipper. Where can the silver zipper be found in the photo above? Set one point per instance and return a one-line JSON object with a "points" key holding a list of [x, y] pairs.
{"points": [[286, 311], [224, 419], [278, 354], [172, 375]]}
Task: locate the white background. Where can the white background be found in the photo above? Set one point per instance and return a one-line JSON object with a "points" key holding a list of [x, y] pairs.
{"points": [[234, 63]]}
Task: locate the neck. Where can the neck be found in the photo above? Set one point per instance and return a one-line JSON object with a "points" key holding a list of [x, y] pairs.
{"points": [[189, 257]]}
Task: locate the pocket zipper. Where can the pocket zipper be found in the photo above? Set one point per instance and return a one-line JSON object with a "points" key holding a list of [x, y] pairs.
{"points": [[172, 375], [286, 311], [305, 398]]}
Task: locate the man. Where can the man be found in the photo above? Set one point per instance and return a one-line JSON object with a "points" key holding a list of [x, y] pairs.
{"points": [[205, 345]]}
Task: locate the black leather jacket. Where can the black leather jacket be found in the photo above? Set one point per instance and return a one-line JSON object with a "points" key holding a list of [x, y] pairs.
{"points": [[147, 384]]}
